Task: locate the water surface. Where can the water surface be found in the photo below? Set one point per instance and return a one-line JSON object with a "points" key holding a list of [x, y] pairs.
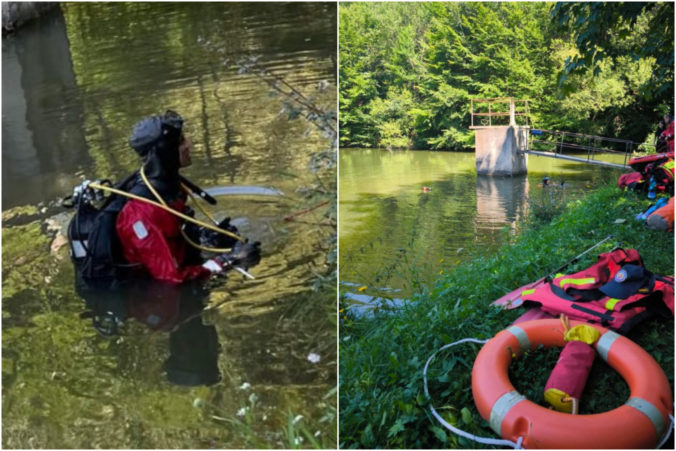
{"points": [[406, 216], [74, 83]]}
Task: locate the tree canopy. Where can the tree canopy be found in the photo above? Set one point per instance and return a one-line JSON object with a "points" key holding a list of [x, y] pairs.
{"points": [[409, 70]]}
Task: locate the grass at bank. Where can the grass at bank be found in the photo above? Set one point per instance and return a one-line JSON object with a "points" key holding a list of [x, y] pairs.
{"points": [[382, 403]]}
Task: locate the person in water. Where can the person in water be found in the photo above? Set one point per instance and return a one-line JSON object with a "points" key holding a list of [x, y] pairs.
{"points": [[151, 236]]}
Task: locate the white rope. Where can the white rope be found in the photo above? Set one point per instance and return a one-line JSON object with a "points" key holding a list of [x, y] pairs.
{"points": [[450, 427], [667, 433]]}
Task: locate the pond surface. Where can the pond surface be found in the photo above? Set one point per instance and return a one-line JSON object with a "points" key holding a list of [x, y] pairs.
{"points": [[263, 353], [405, 216]]}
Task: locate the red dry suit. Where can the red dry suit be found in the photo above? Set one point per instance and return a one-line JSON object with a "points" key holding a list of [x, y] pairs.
{"points": [[152, 236]]}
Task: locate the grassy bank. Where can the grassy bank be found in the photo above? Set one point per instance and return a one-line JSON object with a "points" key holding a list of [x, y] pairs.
{"points": [[382, 403]]}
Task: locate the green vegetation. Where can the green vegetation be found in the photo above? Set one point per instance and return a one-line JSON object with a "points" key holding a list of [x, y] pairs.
{"points": [[382, 357], [409, 70], [617, 31]]}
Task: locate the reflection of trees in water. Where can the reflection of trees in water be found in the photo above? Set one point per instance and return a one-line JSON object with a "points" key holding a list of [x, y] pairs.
{"points": [[412, 232], [156, 63]]}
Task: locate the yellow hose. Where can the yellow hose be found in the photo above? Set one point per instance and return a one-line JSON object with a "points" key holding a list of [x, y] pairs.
{"points": [[208, 215], [185, 235], [172, 211]]}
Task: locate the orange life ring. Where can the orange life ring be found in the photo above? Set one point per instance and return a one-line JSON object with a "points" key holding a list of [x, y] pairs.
{"points": [[639, 423]]}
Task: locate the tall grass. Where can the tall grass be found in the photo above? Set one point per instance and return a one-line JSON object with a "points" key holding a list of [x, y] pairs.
{"points": [[382, 403]]}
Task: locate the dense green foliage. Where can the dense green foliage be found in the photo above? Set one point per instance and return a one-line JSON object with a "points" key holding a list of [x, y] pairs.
{"points": [[605, 30], [409, 70], [382, 400]]}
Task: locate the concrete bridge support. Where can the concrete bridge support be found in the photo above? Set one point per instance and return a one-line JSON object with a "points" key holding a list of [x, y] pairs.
{"points": [[16, 14], [498, 150]]}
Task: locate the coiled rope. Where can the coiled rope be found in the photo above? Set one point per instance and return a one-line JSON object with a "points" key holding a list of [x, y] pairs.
{"points": [[450, 427]]}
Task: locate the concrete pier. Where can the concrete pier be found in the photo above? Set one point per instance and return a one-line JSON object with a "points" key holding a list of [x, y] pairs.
{"points": [[498, 150]]}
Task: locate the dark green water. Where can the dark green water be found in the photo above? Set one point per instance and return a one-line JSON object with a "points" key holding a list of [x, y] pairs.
{"points": [[395, 235], [74, 83]]}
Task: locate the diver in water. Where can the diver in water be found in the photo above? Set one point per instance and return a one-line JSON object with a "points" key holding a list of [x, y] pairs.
{"points": [[144, 227], [137, 252], [143, 232], [152, 236]]}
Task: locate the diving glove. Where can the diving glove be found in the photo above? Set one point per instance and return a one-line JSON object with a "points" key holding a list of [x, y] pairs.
{"points": [[243, 255]]}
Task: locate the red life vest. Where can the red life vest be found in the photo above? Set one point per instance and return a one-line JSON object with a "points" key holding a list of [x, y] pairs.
{"points": [[630, 180], [578, 296], [639, 163]]}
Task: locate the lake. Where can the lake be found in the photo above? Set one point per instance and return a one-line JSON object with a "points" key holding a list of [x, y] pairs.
{"points": [[242, 364], [406, 216]]}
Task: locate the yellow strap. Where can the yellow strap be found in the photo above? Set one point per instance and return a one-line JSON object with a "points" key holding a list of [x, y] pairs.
{"points": [[559, 399], [584, 281], [610, 303], [169, 209], [203, 248], [584, 333], [206, 213], [527, 292]]}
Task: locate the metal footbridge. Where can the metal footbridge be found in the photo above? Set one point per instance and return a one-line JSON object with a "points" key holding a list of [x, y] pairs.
{"points": [[589, 149]]}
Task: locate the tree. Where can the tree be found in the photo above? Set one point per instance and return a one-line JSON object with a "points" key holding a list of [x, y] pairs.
{"points": [[610, 30]]}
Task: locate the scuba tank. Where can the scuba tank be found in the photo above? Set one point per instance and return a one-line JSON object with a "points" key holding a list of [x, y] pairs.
{"points": [[94, 246]]}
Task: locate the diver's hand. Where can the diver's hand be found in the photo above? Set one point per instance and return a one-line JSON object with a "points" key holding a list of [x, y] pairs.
{"points": [[243, 255]]}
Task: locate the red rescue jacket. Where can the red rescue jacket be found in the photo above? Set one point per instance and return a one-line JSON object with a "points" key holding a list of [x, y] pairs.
{"points": [[578, 296], [152, 236]]}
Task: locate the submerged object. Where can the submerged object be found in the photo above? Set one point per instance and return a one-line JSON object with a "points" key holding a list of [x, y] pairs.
{"points": [[641, 422]]}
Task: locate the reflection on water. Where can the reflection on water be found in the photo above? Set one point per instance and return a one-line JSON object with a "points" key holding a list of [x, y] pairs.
{"points": [[74, 83], [406, 216], [177, 309], [500, 200]]}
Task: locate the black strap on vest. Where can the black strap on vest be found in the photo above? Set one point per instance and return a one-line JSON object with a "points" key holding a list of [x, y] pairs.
{"points": [[576, 295], [606, 318]]}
